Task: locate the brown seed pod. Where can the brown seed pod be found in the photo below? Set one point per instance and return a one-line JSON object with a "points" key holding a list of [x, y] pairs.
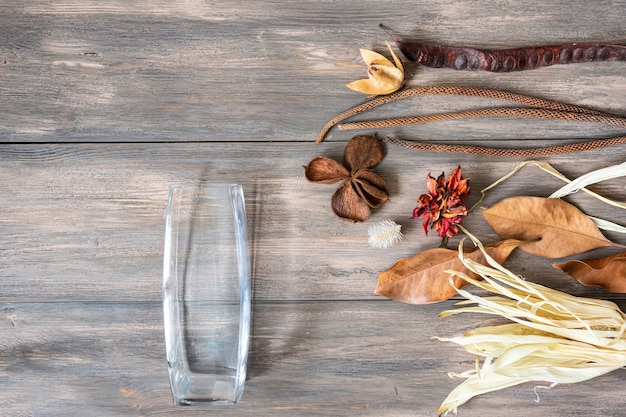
{"points": [[505, 60]]}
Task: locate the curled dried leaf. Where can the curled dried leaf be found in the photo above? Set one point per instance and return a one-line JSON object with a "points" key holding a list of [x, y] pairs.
{"points": [[608, 272], [422, 279], [550, 227]]}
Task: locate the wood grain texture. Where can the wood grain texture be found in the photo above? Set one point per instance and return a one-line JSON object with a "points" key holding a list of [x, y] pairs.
{"points": [[83, 222], [105, 105], [306, 359], [225, 71]]}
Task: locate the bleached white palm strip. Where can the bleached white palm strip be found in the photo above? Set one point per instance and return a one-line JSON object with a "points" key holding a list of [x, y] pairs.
{"points": [[607, 225], [579, 184], [553, 337], [593, 177]]}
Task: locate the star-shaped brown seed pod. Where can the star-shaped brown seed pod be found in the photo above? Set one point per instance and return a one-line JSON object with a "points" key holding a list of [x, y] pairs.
{"points": [[362, 189]]}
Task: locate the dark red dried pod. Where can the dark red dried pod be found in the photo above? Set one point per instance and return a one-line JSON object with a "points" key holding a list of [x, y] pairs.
{"points": [[505, 60]]}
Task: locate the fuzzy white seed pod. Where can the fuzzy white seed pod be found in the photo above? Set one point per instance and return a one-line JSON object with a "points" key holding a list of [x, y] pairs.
{"points": [[384, 234]]}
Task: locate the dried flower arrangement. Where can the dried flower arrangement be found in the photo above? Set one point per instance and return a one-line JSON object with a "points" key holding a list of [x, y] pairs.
{"points": [[541, 344], [547, 227], [553, 337]]}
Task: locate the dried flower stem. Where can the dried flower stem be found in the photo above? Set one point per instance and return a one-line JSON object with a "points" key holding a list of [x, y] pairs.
{"points": [[593, 177]]}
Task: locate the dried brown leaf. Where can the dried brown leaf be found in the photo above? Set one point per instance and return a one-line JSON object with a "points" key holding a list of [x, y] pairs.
{"points": [[550, 227], [422, 279], [608, 272]]}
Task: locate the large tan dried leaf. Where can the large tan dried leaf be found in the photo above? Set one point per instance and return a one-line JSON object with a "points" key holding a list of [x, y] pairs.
{"points": [[550, 227], [608, 272], [422, 279]]}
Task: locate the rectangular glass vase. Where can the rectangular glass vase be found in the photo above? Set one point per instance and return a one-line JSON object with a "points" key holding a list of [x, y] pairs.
{"points": [[206, 293]]}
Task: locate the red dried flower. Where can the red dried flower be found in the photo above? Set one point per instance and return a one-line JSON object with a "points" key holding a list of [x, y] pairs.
{"points": [[443, 208]]}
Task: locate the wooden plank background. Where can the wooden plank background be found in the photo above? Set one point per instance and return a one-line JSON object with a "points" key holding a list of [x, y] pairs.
{"points": [[105, 105]]}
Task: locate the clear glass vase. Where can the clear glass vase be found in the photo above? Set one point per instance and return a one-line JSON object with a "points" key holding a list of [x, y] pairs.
{"points": [[206, 293]]}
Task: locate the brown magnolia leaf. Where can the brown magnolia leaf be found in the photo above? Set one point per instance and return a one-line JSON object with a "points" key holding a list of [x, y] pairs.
{"points": [[608, 272], [421, 279], [550, 227]]}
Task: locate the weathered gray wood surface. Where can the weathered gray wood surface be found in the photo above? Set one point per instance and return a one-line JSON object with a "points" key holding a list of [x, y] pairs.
{"points": [[105, 105]]}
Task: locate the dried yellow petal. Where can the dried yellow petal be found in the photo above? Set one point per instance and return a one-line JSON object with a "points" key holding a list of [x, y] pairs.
{"points": [[384, 77], [374, 58]]}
